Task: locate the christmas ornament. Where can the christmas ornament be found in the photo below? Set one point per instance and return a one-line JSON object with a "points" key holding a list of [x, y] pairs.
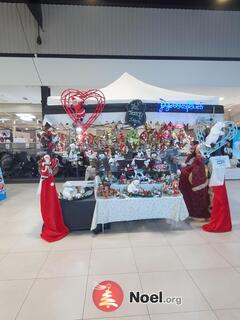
{"points": [[73, 103]]}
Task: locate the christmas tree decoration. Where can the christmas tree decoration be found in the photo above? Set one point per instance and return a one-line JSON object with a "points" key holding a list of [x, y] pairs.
{"points": [[133, 139], [107, 300], [108, 296]]}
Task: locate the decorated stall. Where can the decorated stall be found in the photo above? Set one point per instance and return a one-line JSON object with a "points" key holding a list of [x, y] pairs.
{"points": [[131, 138]]}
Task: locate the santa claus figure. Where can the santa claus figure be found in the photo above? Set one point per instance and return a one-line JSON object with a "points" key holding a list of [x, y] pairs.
{"points": [[193, 184], [53, 225]]}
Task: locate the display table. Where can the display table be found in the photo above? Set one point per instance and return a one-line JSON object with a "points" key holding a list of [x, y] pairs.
{"points": [[114, 209], [232, 174]]}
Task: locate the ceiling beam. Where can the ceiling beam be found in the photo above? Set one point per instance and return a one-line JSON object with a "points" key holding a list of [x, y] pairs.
{"points": [[36, 10], [230, 5]]}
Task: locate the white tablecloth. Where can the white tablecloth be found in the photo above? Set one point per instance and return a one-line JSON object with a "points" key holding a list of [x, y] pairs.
{"points": [[232, 174], [113, 210], [144, 186]]}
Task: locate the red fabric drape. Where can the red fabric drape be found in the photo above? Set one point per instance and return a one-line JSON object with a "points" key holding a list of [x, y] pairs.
{"points": [[53, 228], [220, 216]]}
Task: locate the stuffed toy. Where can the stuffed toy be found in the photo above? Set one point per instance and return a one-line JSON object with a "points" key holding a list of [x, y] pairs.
{"points": [[216, 132]]}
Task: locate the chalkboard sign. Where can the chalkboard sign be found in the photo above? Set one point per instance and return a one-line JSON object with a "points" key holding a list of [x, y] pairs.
{"points": [[136, 115]]}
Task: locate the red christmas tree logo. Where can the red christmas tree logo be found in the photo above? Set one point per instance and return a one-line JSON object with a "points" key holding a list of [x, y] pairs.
{"points": [[107, 296]]}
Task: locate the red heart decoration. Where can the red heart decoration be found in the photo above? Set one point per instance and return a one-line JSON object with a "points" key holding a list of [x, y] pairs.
{"points": [[73, 103]]}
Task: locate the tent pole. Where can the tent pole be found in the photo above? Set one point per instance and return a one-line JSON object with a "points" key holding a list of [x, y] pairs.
{"points": [[45, 93]]}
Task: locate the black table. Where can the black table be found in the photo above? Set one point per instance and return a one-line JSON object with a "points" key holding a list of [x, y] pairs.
{"points": [[78, 214]]}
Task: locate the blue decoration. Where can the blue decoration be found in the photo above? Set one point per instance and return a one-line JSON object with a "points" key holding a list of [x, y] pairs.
{"points": [[180, 107], [236, 145], [201, 134], [3, 193]]}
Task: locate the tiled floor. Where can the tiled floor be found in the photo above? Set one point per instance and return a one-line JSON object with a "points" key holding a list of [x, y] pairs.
{"points": [[44, 281]]}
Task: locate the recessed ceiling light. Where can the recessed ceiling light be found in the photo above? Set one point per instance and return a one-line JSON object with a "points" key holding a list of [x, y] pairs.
{"points": [[221, 98], [26, 116]]}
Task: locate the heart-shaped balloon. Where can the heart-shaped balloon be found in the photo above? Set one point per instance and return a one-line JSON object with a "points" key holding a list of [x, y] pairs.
{"points": [[227, 133], [73, 103]]}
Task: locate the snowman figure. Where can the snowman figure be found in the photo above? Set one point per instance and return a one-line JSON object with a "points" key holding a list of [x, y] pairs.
{"points": [[134, 187]]}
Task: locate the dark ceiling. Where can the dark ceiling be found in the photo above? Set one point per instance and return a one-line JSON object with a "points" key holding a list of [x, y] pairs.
{"points": [[181, 4]]}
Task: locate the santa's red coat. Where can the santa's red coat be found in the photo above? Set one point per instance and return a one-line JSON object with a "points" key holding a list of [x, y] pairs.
{"points": [[195, 193], [53, 225]]}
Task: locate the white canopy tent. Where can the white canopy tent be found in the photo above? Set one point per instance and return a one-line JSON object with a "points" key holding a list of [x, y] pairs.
{"points": [[128, 88]]}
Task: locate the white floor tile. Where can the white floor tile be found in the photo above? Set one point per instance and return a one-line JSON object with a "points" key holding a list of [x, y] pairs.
{"points": [[51, 299], [228, 314], [128, 318], [184, 237], [7, 242], [2, 255], [65, 263], [21, 265], [112, 261], [74, 241], [150, 259], [127, 282], [31, 243], [203, 315], [226, 237], [12, 295], [200, 257], [175, 284], [219, 286], [108, 240], [145, 239], [230, 251]]}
